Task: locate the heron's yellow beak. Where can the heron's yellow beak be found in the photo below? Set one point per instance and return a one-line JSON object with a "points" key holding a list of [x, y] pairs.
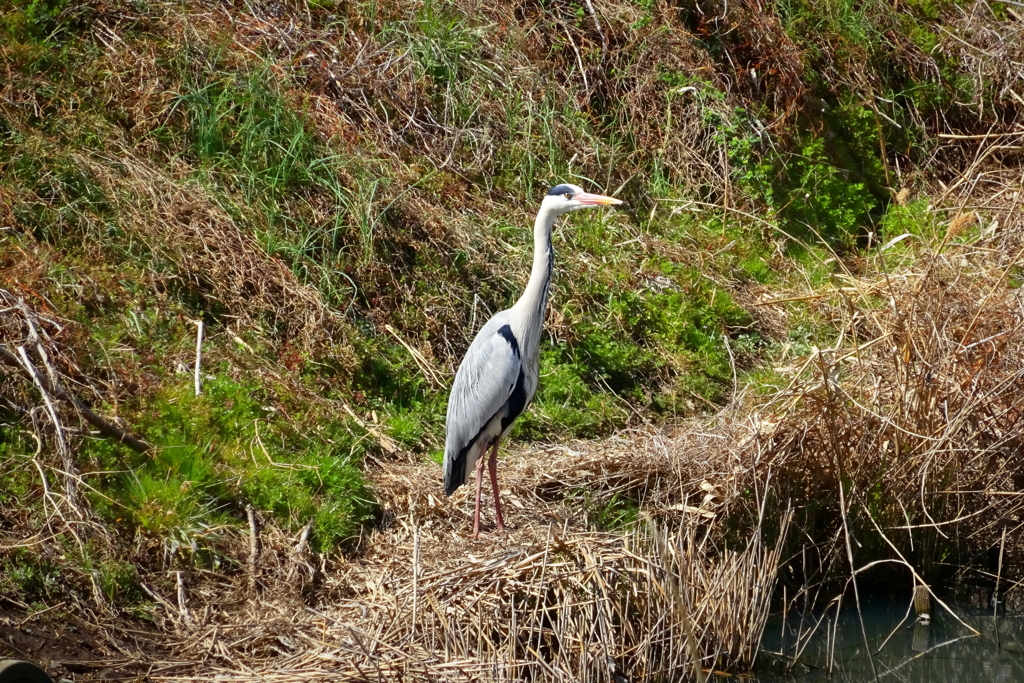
{"points": [[587, 199]]}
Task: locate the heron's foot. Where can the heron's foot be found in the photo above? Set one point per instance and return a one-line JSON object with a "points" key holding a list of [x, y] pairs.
{"points": [[490, 533], [487, 535]]}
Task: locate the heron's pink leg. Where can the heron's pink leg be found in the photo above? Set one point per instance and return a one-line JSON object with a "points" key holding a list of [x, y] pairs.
{"points": [[479, 485], [492, 466]]}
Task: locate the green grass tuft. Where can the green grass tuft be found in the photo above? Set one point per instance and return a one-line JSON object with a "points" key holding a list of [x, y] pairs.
{"points": [[228, 447]]}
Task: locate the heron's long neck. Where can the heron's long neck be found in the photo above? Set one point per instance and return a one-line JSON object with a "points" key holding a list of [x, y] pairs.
{"points": [[532, 305]]}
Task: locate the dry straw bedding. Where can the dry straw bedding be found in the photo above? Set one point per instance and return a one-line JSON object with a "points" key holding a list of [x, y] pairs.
{"points": [[551, 599]]}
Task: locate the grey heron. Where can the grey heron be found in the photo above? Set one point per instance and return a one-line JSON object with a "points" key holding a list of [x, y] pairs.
{"points": [[498, 376]]}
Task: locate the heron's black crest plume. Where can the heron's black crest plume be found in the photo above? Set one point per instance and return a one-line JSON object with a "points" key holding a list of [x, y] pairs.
{"points": [[562, 189]]}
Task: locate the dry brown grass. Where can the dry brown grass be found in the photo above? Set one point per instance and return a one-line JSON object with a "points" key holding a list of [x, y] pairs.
{"points": [[369, 94], [197, 247], [991, 51]]}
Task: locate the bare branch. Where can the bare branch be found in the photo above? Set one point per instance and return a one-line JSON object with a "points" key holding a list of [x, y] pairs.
{"points": [[105, 427]]}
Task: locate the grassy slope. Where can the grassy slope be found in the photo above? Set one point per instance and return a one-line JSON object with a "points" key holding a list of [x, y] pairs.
{"points": [[331, 187]]}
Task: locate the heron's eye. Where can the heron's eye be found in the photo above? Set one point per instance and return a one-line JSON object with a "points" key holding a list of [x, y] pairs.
{"points": [[569, 195]]}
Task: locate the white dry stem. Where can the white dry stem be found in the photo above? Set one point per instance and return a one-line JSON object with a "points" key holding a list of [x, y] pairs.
{"points": [[183, 611], [199, 356], [254, 544], [63, 449]]}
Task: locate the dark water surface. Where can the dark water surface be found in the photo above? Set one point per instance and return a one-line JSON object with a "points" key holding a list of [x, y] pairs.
{"points": [[944, 651]]}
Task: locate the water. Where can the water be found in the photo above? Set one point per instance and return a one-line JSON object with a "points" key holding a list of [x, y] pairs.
{"points": [[942, 652]]}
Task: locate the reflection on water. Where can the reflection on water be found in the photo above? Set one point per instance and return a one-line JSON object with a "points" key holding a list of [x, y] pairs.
{"points": [[944, 651]]}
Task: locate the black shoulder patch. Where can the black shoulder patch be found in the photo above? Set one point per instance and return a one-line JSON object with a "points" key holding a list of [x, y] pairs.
{"points": [[506, 332], [561, 189], [516, 402]]}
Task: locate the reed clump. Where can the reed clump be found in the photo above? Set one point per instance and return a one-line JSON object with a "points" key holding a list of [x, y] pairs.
{"points": [[904, 432]]}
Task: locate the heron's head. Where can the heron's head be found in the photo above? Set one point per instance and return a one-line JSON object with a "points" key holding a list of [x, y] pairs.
{"points": [[565, 198]]}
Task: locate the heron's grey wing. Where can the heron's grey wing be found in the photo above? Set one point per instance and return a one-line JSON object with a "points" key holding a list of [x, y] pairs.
{"points": [[484, 383]]}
